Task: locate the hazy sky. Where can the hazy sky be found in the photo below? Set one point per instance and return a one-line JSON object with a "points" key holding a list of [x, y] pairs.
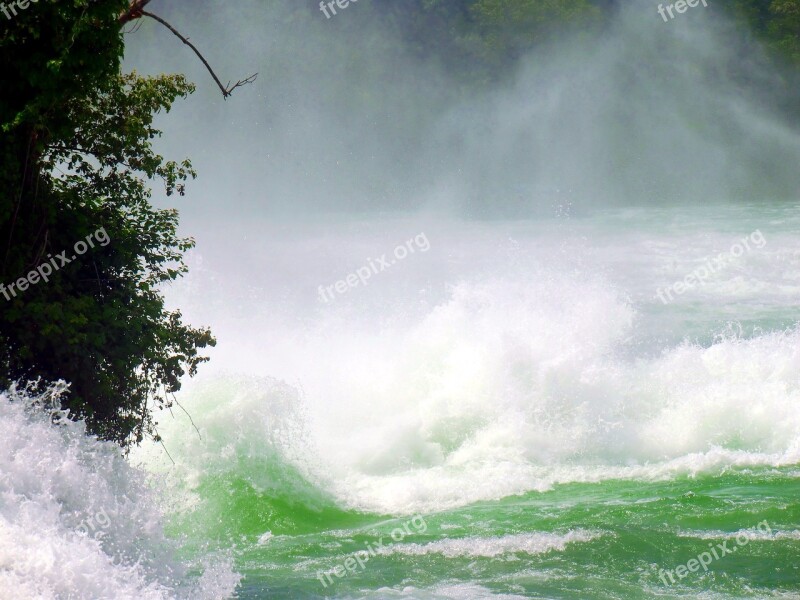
{"points": [[341, 121]]}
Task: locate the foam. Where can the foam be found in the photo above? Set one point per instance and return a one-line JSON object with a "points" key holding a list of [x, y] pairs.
{"points": [[749, 534], [528, 362], [76, 520], [492, 547], [505, 387], [447, 591]]}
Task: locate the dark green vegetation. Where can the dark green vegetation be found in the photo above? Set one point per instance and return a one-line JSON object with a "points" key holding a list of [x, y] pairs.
{"points": [[482, 38], [75, 155], [776, 22]]}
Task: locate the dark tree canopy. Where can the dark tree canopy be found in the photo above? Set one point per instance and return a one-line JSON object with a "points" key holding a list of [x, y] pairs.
{"points": [[75, 137]]}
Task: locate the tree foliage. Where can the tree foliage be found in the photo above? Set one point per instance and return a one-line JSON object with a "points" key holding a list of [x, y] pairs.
{"points": [[482, 39], [76, 148]]}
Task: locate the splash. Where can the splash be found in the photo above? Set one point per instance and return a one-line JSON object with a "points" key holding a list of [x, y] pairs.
{"points": [[506, 386], [76, 520]]}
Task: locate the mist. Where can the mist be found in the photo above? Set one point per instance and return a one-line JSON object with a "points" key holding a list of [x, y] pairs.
{"points": [[521, 273], [641, 112]]}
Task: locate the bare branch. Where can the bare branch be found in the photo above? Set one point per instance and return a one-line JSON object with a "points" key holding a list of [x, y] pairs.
{"points": [[226, 91], [165, 448], [175, 400], [241, 82], [135, 28]]}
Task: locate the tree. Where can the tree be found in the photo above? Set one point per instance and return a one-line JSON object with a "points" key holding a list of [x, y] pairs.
{"points": [[75, 158]]}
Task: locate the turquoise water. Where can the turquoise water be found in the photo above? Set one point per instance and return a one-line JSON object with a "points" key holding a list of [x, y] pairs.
{"points": [[520, 400], [512, 413], [602, 540], [508, 411]]}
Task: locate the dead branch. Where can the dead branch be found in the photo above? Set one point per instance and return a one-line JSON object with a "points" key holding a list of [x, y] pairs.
{"points": [[135, 28], [226, 91]]}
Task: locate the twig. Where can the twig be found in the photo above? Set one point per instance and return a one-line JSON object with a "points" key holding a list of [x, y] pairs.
{"points": [[165, 449], [175, 400], [134, 29], [226, 91], [99, 285]]}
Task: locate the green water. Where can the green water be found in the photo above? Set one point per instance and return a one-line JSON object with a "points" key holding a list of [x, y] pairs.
{"points": [[542, 426], [632, 530]]}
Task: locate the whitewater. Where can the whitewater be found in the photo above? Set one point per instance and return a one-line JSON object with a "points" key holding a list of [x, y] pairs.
{"points": [[514, 412], [520, 386]]}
